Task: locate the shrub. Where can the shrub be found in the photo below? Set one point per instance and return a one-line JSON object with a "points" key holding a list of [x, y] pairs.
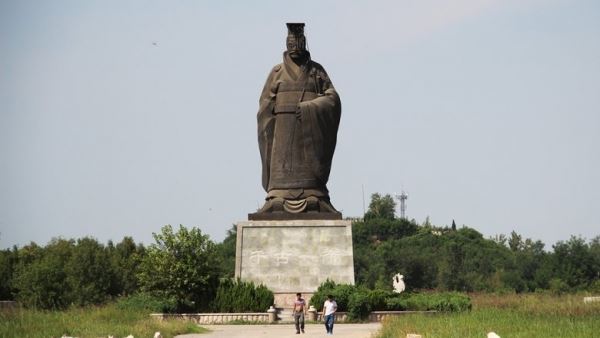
{"points": [[557, 286], [359, 301], [240, 296], [378, 298], [445, 302], [362, 301], [340, 292], [451, 302], [595, 286], [140, 302], [359, 305]]}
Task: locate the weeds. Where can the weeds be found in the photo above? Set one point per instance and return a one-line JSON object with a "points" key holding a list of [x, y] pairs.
{"points": [[89, 322], [531, 315]]}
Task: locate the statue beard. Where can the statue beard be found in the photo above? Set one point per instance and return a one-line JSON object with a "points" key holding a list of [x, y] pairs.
{"points": [[299, 57], [297, 54]]}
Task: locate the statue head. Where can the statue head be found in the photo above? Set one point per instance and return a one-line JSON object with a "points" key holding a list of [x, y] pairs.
{"points": [[296, 41]]}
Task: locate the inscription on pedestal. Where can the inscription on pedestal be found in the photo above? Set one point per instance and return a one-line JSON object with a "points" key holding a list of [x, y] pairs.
{"points": [[295, 256]]}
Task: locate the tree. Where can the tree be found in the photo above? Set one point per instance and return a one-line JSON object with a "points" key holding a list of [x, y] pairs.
{"points": [[183, 267], [452, 272], [125, 260], [381, 207], [226, 250], [8, 262], [573, 262], [89, 273], [515, 242], [40, 275]]}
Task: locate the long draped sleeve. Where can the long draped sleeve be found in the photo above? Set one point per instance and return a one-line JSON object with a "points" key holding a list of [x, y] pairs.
{"points": [[321, 119], [266, 124]]}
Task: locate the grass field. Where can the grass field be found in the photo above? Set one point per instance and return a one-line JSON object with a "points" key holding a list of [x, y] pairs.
{"points": [[89, 322], [510, 315]]}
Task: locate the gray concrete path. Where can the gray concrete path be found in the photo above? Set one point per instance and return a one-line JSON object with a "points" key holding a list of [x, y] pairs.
{"points": [[286, 330]]}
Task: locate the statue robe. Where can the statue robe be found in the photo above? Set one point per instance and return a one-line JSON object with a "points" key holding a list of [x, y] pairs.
{"points": [[298, 119]]}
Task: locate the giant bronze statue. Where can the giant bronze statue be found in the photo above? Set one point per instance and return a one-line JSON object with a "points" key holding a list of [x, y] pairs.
{"points": [[298, 118]]}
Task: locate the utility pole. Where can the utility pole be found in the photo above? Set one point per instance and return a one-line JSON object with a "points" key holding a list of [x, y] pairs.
{"points": [[363, 195]]}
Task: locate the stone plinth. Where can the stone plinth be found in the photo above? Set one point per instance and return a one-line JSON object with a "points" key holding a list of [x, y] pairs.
{"points": [[215, 318], [294, 256]]}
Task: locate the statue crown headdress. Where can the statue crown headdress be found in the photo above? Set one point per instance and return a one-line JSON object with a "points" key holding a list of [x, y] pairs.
{"points": [[295, 29]]}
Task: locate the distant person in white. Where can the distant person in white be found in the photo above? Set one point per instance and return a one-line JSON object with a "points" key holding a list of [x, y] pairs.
{"points": [[329, 309]]}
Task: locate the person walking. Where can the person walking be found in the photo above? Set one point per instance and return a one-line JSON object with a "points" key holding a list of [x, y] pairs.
{"points": [[329, 309], [299, 310]]}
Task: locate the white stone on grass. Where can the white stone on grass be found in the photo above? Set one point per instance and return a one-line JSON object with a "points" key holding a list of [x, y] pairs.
{"points": [[492, 335]]}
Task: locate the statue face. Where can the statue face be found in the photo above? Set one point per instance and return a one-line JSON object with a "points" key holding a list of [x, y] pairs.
{"points": [[296, 46]]}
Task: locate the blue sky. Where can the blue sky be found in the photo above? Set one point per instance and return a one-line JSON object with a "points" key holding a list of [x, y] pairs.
{"points": [[117, 117]]}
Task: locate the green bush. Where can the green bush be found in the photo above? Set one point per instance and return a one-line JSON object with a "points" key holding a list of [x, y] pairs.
{"points": [[363, 301], [557, 286], [341, 294], [240, 296], [595, 287], [378, 298], [445, 302], [451, 302], [359, 301], [143, 302], [359, 305]]}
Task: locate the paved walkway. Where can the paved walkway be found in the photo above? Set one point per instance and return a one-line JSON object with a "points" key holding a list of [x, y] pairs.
{"points": [[286, 330]]}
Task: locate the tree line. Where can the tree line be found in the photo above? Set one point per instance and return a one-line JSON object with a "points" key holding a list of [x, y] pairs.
{"points": [[181, 271], [184, 268]]}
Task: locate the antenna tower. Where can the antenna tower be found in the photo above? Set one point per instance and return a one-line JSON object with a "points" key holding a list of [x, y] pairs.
{"points": [[402, 198]]}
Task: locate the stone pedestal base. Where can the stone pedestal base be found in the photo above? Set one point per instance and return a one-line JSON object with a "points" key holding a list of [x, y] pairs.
{"points": [[287, 299], [294, 256]]}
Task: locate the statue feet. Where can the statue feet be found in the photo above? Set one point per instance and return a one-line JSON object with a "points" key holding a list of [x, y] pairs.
{"points": [[311, 207]]}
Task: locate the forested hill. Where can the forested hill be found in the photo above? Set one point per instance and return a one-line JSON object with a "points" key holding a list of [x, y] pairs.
{"points": [[451, 258]]}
